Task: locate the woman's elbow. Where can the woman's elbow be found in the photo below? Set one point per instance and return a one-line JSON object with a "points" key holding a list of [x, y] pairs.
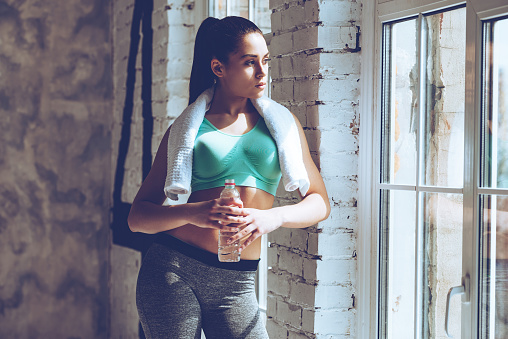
{"points": [[135, 220], [327, 209], [132, 221]]}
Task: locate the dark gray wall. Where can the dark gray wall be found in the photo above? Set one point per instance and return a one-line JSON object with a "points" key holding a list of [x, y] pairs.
{"points": [[55, 168]]}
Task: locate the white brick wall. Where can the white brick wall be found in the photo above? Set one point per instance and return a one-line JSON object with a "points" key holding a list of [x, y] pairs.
{"points": [[315, 73]]}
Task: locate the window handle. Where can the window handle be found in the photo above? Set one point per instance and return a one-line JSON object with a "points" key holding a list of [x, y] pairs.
{"points": [[457, 290]]}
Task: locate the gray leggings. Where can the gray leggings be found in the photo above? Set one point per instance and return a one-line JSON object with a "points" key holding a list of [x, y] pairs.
{"points": [[179, 291]]}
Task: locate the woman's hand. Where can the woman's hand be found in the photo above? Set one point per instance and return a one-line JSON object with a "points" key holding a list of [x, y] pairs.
{"points": [[210, 214], [257, 222]]}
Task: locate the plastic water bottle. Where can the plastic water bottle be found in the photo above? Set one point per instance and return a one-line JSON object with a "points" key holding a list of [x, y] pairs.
{"points": [[229, 196]]}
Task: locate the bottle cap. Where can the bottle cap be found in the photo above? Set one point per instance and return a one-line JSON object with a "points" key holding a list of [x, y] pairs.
{"points": [[230, 181]]}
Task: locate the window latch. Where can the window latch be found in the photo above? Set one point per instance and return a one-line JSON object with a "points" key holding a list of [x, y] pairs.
{"points": [[457, 290]]}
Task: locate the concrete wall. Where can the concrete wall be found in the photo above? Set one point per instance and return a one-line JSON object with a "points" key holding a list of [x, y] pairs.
{"points": [[55, 105]]}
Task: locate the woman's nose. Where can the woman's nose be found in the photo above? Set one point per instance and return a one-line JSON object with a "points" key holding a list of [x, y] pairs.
{"points": [[262, 71]]}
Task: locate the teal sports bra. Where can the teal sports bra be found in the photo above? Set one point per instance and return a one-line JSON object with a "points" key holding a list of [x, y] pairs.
{"points": [[251, 159]]}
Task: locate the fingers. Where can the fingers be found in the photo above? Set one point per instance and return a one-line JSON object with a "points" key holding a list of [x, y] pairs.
{"points": [[249, 241], [230, 210], [249, 230], [225, 219]]}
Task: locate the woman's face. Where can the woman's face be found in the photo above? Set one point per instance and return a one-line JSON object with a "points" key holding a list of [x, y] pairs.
{"points": [[245, 74]]}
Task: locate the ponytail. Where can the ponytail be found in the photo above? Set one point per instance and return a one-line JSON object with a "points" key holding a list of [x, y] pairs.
{"points": [[215, 39], [202, 76]]}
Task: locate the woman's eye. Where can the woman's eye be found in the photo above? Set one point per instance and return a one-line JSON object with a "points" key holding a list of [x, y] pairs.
{"points": [[250, 62], [266, 60]]}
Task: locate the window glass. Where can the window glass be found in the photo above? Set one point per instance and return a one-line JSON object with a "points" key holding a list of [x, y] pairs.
{"points": [[494, 174], [441, 262], [494, 263], [495, 105], [239, 8], [443, 98], [400, 85], [422, 161], [397, 265], [261, 15]]}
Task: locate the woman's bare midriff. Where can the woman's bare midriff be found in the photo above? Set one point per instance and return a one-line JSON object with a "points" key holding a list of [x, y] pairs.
{"points": [[207, 238]]}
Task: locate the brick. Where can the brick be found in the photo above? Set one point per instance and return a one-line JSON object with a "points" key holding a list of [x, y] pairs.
{"points": [[340, 12], [306, 90], [272, 257], [299, 239], [281, 44], [296, 335], [271, 306], [282, 90], [334, 296], [310, 269], [313, 137], [289, 313], [338, 37], [291, 262], [275, 330], [275, 68], [161, 33], [342, 116], [336, 271], [306, 65], [276, 3], [338, 321], [181, 34], [332, 64], [311, 8], [348, 88], [302, 293], [278, 283], [343, 218], [342, 193], [339, 244], [308, 320], [305, 39], [276, 21], [281, 236], [286, 67], [312, 243], [335, 143], [293, 16]]}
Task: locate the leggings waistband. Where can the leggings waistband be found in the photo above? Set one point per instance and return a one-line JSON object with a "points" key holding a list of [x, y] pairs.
{"points": [[204, 256]]}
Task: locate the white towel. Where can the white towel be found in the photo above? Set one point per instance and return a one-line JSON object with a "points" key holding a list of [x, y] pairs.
{"points": [[280, 123]]}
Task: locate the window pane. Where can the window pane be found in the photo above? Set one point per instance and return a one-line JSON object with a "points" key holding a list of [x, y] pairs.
{"points": [[397, 271], [494, 267], [443, 98], [495, 106], [400, 85], [442, 262], [261, 15], [219, 8], [239, 8]]}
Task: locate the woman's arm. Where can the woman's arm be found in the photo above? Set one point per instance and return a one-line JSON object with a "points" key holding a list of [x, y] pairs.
{"points": [[149, 215], [314, 206]]}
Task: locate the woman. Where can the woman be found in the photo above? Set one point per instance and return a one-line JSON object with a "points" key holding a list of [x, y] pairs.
{"points": [[182, 287]]}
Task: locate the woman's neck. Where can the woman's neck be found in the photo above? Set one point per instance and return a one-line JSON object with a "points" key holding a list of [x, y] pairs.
{"points": [[224, 102]]}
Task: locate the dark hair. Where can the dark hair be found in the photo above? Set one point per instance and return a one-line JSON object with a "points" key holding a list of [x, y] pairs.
{"points": [[215, 39]]}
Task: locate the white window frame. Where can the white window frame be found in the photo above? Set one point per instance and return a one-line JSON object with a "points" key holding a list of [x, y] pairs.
{"points": [[374, 13]]}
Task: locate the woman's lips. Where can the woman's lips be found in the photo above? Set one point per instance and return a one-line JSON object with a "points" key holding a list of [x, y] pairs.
{"points": [[261, 85]]}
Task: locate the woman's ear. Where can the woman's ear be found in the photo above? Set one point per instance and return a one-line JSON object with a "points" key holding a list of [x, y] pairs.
{"points": [[217, 68]]}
